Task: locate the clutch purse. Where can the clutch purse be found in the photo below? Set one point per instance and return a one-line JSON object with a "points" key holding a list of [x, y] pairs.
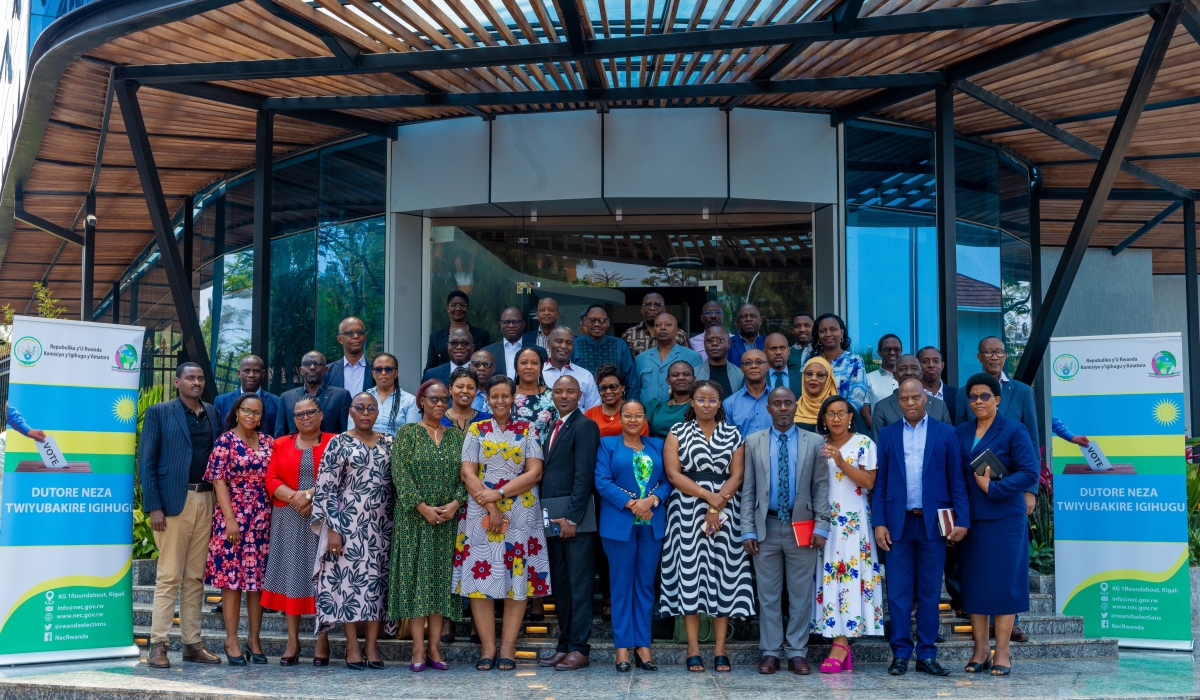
{"points": [[487, 523], [989, 459]]}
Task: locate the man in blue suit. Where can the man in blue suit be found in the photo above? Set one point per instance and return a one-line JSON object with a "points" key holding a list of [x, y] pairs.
{"points": [[251, 371], [920, 471]]}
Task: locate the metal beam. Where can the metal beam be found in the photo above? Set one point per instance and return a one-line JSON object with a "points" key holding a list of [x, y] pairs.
{"points": [[88, 271], [115, 295], [264, 181], [1148, 226], [344, 52], [49, 227], [988, 60], [845, 15], [1157, 43], [1099, 13], [1191, 20], [189, 238], [781, 61], [947, 223], [1116, 195], [1030, 119], [1193, 312], [572, 25], [164, 234], [480, 99]]}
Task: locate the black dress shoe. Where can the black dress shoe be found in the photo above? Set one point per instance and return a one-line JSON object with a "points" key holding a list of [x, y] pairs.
{"points": [[1018, 635], [257, 659], [356, 665], [238, 660], [939, 640], [932, 667], [375, 665], [899, 667], [623, 666]]}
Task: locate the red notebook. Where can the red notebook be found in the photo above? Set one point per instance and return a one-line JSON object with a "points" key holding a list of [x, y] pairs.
{"points": [[946, 521], [804, 532]]}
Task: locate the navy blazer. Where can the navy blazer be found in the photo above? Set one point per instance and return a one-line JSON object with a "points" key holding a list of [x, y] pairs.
{"points": [[614, 477], [224, 402], [1009, 441], [335, 375], [569, 463], [497, 351], [334, 403], [440, 373], [438, 354], [943, 480], [165, 455], [950, 397]]}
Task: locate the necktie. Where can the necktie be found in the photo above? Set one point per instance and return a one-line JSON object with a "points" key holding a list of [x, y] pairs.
{"points": [[785, 468], [554, 434], [778, 379]]}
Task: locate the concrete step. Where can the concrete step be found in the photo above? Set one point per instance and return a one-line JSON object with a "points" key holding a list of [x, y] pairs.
{"points": [[868, 649]]}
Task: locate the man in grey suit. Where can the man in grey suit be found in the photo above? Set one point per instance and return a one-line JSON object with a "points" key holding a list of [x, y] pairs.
{"points": [[177, 438], [334, 401], [888, 411], [786, 481]]}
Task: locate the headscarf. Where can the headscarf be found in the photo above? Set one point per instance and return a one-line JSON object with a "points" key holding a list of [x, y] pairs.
{"points": [[807, 407]]}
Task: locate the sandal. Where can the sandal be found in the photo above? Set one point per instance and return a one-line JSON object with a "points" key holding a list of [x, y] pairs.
{"points": [[484, 664], [832, 665], [978, 666], [721, 664], [695, 664], [506, 665], [998, 670]]}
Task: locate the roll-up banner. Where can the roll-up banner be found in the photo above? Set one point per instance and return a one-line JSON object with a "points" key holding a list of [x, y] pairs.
{"points": [[65, 535], [1120, 503]]}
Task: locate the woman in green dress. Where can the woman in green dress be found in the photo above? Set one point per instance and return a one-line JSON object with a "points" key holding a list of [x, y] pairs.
{"points": [[426, 461], [661, 415]]}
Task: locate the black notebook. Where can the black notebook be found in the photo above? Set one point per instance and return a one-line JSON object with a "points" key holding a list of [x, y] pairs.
{"points": [[989, 459]]}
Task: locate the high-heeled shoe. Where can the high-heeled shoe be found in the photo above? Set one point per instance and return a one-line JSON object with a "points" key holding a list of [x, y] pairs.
{"points": [[257, 659], [320, 661], [439, 665], [289, 660], [356, 665], [238, 660], [644, 665], [832, 665], [375, 665], [623, 667], [978, 666]]}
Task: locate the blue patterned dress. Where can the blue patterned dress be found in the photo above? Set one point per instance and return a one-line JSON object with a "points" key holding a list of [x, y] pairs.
{"points": [[850, 375]]}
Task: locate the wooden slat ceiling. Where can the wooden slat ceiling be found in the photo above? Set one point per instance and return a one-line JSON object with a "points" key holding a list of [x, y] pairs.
{"points": [[197, 142]]}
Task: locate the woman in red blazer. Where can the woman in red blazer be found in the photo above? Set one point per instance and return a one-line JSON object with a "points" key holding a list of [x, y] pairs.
{"points": [[291, 476]]}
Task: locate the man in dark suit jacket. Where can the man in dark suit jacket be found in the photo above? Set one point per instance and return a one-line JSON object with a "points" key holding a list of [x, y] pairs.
{"points": [[1016, 397], [334, 402], [457, 306], [177, 438], [459, 347], [251, 371], [568, 478], [779, 371], [352, 372], [887, 411], [932, 364], [920, 471], [513, 339]]}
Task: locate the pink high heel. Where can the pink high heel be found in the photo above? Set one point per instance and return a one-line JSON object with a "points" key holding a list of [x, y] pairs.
{"points": [[831, 665]]}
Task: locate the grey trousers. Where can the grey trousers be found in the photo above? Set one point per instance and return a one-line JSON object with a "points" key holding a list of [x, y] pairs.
{"points": [[779, 559]]}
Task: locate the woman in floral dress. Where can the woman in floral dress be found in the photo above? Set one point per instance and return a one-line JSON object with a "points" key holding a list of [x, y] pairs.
{"points": [[352, 515], [241, 526], [831, 341], [532, 402], [849, 597], [500, 552]]}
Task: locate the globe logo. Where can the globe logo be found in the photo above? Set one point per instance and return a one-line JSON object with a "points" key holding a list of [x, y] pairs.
{"points": [[1163, 364], [126, 358], [27, 351], [1066, 367]]}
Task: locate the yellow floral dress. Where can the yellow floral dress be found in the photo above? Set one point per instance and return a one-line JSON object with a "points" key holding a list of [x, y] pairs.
{"points": [[849, 594], [515, 564]]}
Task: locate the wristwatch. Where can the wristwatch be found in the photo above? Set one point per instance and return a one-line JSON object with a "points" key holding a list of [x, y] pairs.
{"points": [[308, 495], [657, 500], [571, 523], [500, 491], [713, 510]]}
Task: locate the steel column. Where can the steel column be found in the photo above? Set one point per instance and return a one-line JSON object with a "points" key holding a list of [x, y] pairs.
{"points": [[1157, 43], [218, 277], [1193, 313], [160, 218], [943, 164], [88, 278], [1147, 227], [189, 241], [116, 302], [264, 180], [1035, 297]]}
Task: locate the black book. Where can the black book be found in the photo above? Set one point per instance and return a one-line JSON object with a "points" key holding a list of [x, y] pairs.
{"points": [[989, 459]]}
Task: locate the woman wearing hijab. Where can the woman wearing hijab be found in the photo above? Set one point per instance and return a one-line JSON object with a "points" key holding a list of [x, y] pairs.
{"points": [[818, 384]]}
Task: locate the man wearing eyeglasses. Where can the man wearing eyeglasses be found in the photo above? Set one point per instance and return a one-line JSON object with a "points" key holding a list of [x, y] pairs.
{"points": [[882, 382], [642, 337], [351, 372], [512, 340], [459, 347], [457, 307], [596, 347], [711, 315], [252, 372], [484, 366], [334, 401], [746, 408], [717, 367]]}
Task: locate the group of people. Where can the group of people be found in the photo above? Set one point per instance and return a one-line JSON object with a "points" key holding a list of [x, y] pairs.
{"points": [[709, 476]]}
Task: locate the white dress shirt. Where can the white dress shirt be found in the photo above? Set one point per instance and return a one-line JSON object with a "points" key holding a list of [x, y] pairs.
{"points": [[881, 383], [937, 394], [510, 357], [354, 375], [589, 395], [914, 460]]}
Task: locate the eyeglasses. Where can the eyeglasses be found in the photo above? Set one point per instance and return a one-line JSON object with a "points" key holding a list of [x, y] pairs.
{"points": [[250, 412], [711, 313], [306, 414], [890, 350], [633, 416], [383, 370], [816, 375], [977, 398], [706, 402], [457, 305], [354, 334], [365, 410], [313, 363], [608, 387], [459, 343], [652, 304], [754, 363], [596, 321], [510, 322], [837, 415], [438, 399], [993, 353], [483, 364]]}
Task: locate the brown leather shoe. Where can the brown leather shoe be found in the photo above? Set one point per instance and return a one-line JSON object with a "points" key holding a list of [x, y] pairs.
{"points": [[196, 653], [158, 656], [768, 665], [573, 662], [1018, 635], [552, 661], [799, 666]]}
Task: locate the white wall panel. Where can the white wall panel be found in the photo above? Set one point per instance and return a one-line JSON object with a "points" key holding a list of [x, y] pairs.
{"points": [[440, 164], [665, 153], [781, 156], [542, 157]]}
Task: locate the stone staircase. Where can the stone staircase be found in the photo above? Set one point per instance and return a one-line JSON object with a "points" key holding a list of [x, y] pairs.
{"points": [[1051, 636]]}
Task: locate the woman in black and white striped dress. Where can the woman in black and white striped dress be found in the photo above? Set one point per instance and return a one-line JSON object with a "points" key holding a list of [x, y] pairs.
{"points": [[704, 568]]}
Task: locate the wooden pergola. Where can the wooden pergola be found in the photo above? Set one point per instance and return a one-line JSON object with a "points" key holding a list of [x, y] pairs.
{"points": [[133, 106]]}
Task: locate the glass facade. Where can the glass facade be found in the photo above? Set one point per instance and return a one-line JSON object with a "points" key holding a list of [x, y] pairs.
{"points": [[891, 242]]}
